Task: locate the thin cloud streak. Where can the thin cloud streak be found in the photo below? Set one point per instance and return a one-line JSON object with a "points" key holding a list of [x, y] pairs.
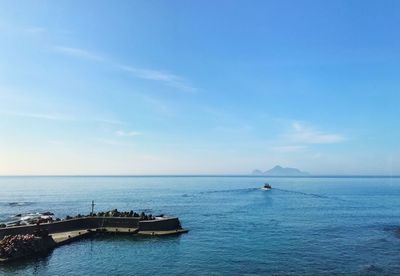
{"points": [[122, 133], [300, 138], [79, 53], [110, 122], [44, 116], [155, 75], [300, 133], [166, 78], [59, 117], [289, 149], [111, 142]]}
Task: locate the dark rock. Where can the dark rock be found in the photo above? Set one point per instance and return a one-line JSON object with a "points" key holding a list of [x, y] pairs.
{"points": [[373, 268], [47, 214]]}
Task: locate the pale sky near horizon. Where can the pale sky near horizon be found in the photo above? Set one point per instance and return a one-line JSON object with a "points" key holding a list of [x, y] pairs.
{"points": [[199, 87]]}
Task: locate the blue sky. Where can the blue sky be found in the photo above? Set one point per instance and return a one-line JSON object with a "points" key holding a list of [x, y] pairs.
{"points": [[199, 87]]}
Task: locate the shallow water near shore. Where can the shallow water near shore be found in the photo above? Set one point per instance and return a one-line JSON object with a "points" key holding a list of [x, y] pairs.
{"points": [[302, 226]]}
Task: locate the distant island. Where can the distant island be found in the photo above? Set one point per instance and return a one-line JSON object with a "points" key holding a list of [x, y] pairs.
{"points": [[280, 171]]}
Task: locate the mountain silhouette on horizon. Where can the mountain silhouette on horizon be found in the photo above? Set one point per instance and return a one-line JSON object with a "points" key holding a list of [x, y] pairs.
{"points": [[281, 171]]}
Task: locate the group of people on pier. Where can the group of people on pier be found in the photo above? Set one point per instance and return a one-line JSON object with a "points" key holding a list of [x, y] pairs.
{"points": [[117, 214]]}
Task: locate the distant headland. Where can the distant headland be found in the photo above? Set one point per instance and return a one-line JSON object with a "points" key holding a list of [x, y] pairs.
{"points": [[281, 171]]}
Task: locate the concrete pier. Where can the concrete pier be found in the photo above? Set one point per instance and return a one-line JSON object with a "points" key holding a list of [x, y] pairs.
{"points": [[66, 231], [122, 224], [67, 237]]}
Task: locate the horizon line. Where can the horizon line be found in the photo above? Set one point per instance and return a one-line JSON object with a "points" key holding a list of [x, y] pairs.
{"points": [[209, 175]]}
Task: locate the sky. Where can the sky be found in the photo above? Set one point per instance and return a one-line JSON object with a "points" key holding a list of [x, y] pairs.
{"points": [[199, 87]]}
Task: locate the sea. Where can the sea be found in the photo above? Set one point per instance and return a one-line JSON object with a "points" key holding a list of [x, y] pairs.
{"points": [[303, 226]]}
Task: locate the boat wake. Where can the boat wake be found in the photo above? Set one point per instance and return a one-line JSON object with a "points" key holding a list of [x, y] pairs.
{"points": [[314, 195], [229, 191], [247, 190]]}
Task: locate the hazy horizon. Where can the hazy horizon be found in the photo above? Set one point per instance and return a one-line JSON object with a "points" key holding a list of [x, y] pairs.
{"points": [[189, 88], [210, 175]]}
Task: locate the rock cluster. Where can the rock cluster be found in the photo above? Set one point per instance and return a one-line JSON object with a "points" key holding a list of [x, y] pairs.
{"points": [[12, 247]]}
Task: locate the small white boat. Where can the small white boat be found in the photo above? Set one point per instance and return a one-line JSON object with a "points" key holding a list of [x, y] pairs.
{"points": [[266, 187]]}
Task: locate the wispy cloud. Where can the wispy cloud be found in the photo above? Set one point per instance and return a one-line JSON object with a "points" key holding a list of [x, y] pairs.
{"points": [[301, 133], [43, 116], [110, 122], [122, 133], [289, 149], [166, 78], [114, 142], [160, 76], [79, 53], [59, 117]]}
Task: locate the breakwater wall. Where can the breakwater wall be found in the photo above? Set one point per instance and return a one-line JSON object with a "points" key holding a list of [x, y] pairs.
{"points": [[85, 223]]}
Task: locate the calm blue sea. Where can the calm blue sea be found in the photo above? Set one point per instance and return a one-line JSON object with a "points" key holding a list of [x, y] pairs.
{"points": [[304, 226]]}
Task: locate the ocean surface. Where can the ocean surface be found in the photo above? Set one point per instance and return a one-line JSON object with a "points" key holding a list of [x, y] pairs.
{"points": [[303, 226]]}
